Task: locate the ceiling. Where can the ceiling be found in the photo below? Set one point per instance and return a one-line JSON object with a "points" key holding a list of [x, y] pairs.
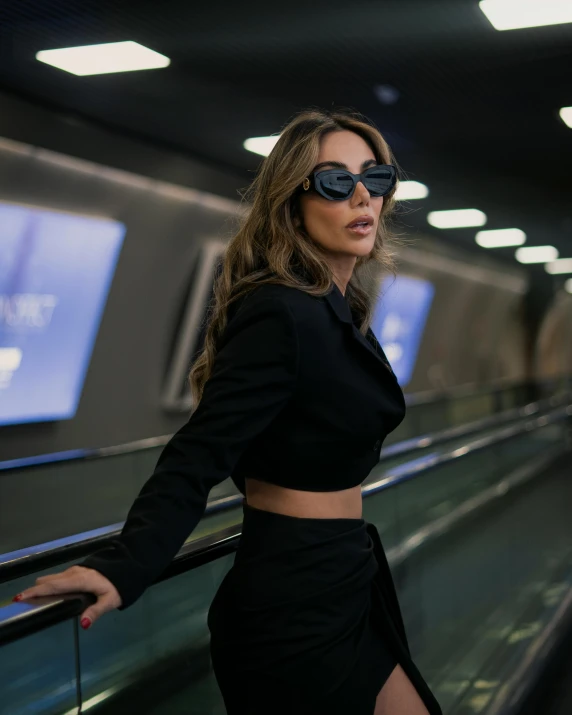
{"points": [[476, 117]]}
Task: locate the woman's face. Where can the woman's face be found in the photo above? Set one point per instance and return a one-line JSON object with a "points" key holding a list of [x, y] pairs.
{"points": [[327, 222]]}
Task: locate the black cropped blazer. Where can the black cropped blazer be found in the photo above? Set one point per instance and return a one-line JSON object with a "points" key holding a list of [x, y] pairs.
{"points": [[298, 397]]}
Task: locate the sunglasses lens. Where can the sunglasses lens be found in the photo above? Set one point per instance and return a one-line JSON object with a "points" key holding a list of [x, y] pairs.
{"points": [[336, 185], [379, 180]]}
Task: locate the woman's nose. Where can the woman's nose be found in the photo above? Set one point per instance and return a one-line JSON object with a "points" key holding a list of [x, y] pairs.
{"points": [[361, 194]]}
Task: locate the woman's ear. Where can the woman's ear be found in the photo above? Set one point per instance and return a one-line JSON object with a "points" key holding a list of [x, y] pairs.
{"points": [[297, 217]]}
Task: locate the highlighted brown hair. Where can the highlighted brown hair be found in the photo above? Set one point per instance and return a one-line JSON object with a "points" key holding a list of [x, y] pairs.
{"points": [[271, 245]]}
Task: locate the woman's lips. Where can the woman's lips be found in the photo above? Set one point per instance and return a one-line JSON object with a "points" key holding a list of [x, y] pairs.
{"points": [[360, 229]]}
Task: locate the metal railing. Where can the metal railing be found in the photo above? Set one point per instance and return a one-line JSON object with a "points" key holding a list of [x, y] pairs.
{"points": [[42, 556], [532, 390], [18, 620]]}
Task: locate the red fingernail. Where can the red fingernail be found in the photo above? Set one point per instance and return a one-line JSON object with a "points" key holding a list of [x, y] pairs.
{"points": [[85, 623], [19, 597]]}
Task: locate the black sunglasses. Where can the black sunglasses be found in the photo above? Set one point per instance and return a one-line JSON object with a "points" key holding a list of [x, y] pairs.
{"points": [[340, 184]]}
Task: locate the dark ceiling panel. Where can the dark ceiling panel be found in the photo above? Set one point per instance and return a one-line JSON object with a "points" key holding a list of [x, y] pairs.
{"points": [[477, 110]]}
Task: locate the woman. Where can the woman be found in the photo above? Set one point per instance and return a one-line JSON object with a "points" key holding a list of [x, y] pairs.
{"points": [[294, 399]]}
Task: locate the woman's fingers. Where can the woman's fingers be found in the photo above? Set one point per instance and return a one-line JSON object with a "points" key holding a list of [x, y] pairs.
{"points": [[103, 604], [73, 580], [49, 577], [52, 587]]}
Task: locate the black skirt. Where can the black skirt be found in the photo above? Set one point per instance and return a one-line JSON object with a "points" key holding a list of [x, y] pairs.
{"points": [[307, 619]]}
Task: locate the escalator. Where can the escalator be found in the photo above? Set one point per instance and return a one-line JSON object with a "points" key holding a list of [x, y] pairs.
{"points": [[476, 524], [27, 485]]}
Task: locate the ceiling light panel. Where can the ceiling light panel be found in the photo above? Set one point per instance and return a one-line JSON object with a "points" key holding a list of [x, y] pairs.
{"points": [[516, 14], [408, 190], [501, 237], [566, 116], [536, 254], [104, 59], [261, 145], [561, 265], [459, 218]]}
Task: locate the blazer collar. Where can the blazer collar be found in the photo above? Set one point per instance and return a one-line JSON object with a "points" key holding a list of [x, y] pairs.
{"points": [[339, 304], [341, 308]]}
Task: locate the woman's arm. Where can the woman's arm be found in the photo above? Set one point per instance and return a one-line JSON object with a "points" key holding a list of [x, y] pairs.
{"points": [[253, 378]]}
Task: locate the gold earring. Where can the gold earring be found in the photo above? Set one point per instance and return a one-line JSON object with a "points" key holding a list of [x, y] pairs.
{"points": [[306, 184]]}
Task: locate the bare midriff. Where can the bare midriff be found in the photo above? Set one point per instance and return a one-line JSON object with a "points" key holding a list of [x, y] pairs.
{"points": [[345, 504]]}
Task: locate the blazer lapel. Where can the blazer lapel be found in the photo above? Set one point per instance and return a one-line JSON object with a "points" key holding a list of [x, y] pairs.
{"points": [[340, 306]]}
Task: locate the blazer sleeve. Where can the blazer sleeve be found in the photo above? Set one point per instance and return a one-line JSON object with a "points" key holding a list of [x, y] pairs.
{"points": [[253, 378]]}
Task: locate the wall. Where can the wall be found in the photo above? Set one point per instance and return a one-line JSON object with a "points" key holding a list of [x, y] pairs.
{"points": [[166, 224], [49, 160], [554, 347]]}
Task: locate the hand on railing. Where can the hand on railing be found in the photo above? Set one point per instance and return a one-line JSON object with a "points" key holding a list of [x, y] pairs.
{"points": [[73, 580]]}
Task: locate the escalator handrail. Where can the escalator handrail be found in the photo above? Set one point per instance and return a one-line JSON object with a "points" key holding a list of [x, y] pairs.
{"points": [[141, 445], [473, 389], [23, 619], [79, 545], [16, 566], [464, 430]]}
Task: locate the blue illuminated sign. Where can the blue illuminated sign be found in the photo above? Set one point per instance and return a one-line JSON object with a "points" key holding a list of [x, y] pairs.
{"points": [[399, 320], [55, 273]]}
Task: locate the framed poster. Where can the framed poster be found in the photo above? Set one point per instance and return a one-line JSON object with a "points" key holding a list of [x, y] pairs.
{"points": [[189, 339]]}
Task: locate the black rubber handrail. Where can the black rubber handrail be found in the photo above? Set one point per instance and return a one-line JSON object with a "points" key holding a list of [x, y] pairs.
{"points": [[22, 619], [468, 428], [201, 549], [78, 455], [470, 389], [42, 556]]}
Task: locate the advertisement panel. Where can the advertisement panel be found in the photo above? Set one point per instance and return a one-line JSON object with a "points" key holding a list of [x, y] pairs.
{"points": [[55, 274], [399, 320]]}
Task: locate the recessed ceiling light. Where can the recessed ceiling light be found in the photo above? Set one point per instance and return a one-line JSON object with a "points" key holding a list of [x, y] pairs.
{"points": [[566, 116], [386, 93], [459, 218], [561, 265], [104, 59], [411, 190], [536, 254], [261, 145], [501, 237], [516, 14], [568, 285]]}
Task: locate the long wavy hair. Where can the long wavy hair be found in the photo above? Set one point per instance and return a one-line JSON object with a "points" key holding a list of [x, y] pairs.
{"points": [[272, 245]]}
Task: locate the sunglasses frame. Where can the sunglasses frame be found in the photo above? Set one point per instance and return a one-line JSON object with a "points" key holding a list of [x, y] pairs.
{"points": [[316, 181]]}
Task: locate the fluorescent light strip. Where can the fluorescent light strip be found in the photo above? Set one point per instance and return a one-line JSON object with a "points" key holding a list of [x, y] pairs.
{"points": [[261, 145], [501, 237], [104, 59], [517, 14], [408, 190], [459, 218], [568, 285], [566, 116], [536, 254], [561, 265]]}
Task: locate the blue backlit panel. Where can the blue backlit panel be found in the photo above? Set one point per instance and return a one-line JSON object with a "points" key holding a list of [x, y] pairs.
{"points": [[55, 274], [399, 320]]}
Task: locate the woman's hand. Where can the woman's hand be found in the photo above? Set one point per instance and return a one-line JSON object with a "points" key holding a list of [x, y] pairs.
{"points": [[73, 580]]}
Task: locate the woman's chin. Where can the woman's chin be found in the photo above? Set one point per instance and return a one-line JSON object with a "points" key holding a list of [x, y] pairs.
{"points": [[355, 248], [362, 248]]}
